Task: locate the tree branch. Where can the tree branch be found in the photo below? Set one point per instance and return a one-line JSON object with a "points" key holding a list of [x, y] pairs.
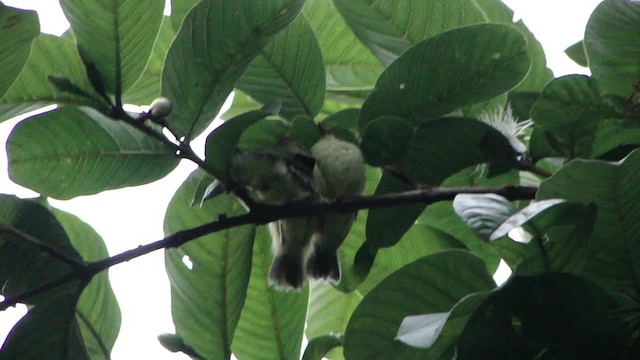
{"points": [[264, 214]]}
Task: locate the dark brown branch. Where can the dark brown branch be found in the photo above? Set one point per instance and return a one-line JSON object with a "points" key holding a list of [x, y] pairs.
{"points": [[527, 166], [265, 214]]}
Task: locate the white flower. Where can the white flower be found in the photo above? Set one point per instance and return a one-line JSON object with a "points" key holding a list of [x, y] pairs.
{"points": [[504, 121]]}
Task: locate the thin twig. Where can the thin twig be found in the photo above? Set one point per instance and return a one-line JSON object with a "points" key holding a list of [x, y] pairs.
{"points": [[527, 166], [264, 214]]}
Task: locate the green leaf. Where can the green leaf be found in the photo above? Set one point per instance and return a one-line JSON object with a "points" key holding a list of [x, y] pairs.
{"points": [[530, 316], [386, 141], [421, 331], [48, 331], [241, 104], [539, 74], [329, 313], [32, 90], [304, 130], [521, 104], [442, 147], [385, 226], [115, 36], [419, 241], [433, 78], [613, 259], [272, 322], [609, 42], [571, 107], [388, 29], [615, 135], [147, 88], [18, 28], [577, 53], [179, 10], [209, 276], [431, 284], [483, 212], [97, 312], [496, 11], [263, 134], [200, 71], [349, 65], [23, 265], [318, 347], [222, 141], [288, 70], [71, 152]]}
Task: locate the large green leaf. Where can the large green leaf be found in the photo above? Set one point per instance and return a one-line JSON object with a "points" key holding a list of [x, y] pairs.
{"points": [[496, 11], [216, 43], [610, 44], [18, 28], [179, 11], [571, 107], [97, 311], [539, 74], [329, 312], [613, 259], [385, 141], [116, 36], [445, 146], [349, 65], [222, 141], [70, 152], [50, 55], [435, 78], [147, 88], [288, 70], [577, 53], [320, 346], [389, 28], [24, 265], [431, 284], [559, 315], [48, 331], [272, 322], [209, 276]]}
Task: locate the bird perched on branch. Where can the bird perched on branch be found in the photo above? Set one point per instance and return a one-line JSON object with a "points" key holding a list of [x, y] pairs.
{"points": [[289, 174]]}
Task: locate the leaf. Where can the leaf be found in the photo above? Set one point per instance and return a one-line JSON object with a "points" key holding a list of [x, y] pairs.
{"points": [[241, 104], [97, 312], [431, 284], [18, 28], [433, 78], [613, 135], [329, 312], [576, 52], [529, 316], [222, 141], [119, 40], [32, 90], [179, 10], [272, 322], [608, 41], [496, 11], [385, 226], [613, 257], [539, 74], [289, 70], [318, 347], [541, 214], [442, 147], [148, 86], [386, 141], [209, 276], [71, 152], [483, 212], [571, 107], [200, 71], [421, 331], [48, 331], [304, 130], [419, 241], [23, 265], [349, 65], [388, 29]]}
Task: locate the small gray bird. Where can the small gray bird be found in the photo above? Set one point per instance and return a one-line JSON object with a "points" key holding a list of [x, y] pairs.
{"points": [[339, 172]]}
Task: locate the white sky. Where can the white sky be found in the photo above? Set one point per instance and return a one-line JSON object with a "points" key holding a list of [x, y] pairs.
{"points": [[129, 217]]}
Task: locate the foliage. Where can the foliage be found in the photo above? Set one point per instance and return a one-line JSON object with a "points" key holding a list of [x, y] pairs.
{"points": [[427, 89]]}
